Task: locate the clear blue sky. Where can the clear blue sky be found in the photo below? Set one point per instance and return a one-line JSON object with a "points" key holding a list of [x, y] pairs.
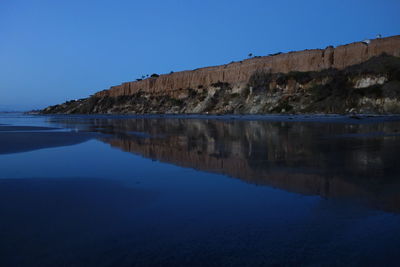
{"points": [[53, 51]]}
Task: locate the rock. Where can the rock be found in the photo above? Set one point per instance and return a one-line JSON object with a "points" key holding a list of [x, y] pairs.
{"points": [[370, 80], [347, 79], [174, 84]]}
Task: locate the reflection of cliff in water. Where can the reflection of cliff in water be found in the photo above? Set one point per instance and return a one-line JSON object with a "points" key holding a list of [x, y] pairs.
{"points": [[328, 159]]}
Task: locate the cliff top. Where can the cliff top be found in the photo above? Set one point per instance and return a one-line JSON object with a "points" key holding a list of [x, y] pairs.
{"points": [[238, 73]]}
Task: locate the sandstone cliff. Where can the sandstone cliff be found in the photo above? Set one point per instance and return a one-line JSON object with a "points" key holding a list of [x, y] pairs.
{"points": [[238, 73], [194, 91]]}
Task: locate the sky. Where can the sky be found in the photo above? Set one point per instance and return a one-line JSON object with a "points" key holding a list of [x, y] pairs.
{"points": [[54, 51]]}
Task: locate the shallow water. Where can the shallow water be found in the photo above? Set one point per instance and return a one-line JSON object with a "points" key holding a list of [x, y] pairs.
{"points": [[199, 191]]}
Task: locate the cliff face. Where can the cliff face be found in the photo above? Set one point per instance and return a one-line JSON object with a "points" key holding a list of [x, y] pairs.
{"points": [[357, 77], [238, 73]]}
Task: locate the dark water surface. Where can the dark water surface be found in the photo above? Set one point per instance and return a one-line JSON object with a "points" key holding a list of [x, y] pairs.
{"points": [[199, 191]]}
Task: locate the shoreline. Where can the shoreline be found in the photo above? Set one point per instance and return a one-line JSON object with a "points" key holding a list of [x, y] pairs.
{"points": [[324, 118]]}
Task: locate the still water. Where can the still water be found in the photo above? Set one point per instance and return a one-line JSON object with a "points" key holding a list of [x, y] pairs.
{"points": [[199, 191]]}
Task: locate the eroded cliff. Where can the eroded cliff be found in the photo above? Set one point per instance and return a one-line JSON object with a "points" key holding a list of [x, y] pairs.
{"points": [[290, 82]]}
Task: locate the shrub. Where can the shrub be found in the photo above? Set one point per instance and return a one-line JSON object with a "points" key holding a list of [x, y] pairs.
{"points": [[394, 74], [202, 97], [245, 92], [155, 75], [220, 84], [260, 80], [283, 105], [383, 64], [281, 79], [339, 85], [176, 102], [319, 92], [300, 77], [391, 89], [191, 92], [275, 54]]}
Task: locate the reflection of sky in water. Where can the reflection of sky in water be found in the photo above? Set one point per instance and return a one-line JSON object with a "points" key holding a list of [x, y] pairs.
{"points": [[96, 205]]}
